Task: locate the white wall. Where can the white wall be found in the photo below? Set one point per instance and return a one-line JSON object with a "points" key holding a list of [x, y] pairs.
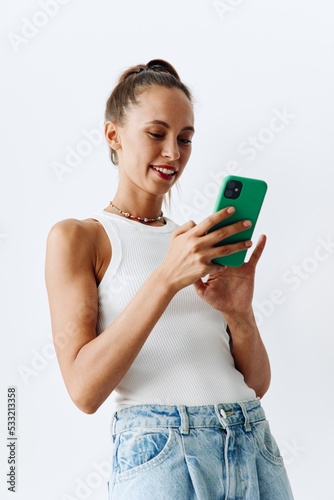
{"points": [[247, 62]]}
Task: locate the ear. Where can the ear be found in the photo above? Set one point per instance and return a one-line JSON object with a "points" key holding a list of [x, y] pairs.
{"points": [[112, 135]]}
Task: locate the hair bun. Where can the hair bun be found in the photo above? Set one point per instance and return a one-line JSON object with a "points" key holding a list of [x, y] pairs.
{"points": [[162, 66], [156, 65]]}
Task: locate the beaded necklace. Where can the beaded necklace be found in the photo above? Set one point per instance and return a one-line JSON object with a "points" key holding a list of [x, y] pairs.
{"points": [[129, 216]]}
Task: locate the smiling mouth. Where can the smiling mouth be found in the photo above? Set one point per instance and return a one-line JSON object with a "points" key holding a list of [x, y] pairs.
{"points": [[164, 170]]}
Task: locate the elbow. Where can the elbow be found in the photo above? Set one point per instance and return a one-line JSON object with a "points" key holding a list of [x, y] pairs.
{"points": [[87, 395], [262, 389], [86, 408], [84, 403], [261, 392]]}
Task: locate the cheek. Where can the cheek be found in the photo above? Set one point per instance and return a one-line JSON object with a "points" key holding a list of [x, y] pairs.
{"points": [[147, 146]]}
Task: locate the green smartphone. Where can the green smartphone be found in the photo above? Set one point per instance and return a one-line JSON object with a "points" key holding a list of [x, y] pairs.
{"points": [[247, 196]]}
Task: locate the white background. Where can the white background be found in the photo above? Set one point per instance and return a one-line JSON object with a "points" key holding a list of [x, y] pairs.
{"points": [[245, 61]]}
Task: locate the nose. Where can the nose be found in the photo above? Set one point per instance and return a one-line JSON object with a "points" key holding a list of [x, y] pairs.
{"points": [[171, 149]]}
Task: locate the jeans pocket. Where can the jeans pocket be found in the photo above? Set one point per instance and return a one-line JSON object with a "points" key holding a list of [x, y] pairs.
{"points": [[138, 447], [266, 443]]}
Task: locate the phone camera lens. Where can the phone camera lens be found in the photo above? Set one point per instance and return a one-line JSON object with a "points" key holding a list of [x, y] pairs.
{"points": [[231, 185], [233, 189]]}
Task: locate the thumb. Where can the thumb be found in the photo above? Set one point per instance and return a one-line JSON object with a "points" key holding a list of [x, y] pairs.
{"points": [[199, 286]]}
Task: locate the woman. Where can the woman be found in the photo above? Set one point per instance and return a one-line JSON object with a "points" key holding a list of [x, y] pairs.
{"points": [[132, 315]]}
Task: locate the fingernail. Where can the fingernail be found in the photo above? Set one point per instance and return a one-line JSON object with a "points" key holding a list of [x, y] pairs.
{"points": [[248, 243], [230, 210], [247, 223]]}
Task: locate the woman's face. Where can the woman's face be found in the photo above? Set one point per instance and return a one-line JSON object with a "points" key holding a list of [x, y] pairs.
{"points": [[154, 144]]}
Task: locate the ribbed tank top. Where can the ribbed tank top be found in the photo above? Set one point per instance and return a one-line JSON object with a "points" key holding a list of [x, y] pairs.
{"points": [[186, 359]]}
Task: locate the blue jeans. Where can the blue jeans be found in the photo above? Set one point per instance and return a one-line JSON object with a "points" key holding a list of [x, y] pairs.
{"points": [[218, 452]]}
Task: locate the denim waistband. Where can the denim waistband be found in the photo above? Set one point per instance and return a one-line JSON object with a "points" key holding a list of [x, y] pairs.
{"points": [[221, 415]]}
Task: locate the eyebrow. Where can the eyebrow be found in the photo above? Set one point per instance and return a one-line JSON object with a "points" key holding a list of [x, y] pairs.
{"points": [[164, 124]]}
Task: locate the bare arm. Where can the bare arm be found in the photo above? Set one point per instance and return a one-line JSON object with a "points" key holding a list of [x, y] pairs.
{"points": [[92, 366], [249, 353], [230, 290]]}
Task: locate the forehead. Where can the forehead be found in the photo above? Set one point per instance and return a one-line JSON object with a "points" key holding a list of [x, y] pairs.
{"points": [[167, 104]]}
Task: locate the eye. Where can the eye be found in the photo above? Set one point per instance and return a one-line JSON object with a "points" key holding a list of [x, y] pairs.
{"points": [[183, 140], [155, 135]]}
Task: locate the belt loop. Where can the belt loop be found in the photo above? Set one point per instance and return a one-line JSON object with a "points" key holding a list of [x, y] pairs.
{"points": [[114, 427], [221, 415], [244, 411], [184, 419]]}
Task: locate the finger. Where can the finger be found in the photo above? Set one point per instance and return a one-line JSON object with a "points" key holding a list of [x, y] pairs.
{"points": [[228, 249], [220, 234], [258, 250], [184, 228], [203, 227]]}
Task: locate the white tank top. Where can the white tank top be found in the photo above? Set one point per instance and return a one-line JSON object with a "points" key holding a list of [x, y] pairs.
{"points": [[186, 359]]}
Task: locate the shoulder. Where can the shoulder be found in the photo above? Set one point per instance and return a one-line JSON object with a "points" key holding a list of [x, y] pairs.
{"points": [[75, 237], [79, 244], [70, 229], [73, 232]]}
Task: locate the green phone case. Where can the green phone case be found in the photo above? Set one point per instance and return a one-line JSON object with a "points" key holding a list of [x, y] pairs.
{"points": [[247, 206]]}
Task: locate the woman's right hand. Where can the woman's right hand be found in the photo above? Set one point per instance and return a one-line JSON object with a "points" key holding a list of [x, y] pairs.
{"points": [[192, 249]]}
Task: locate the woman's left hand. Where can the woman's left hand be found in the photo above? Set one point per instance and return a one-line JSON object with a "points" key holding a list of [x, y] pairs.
{"points": [[230, 290]]}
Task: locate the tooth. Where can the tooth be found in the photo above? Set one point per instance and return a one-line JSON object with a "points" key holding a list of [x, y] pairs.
{"points": [[166, 171]]}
